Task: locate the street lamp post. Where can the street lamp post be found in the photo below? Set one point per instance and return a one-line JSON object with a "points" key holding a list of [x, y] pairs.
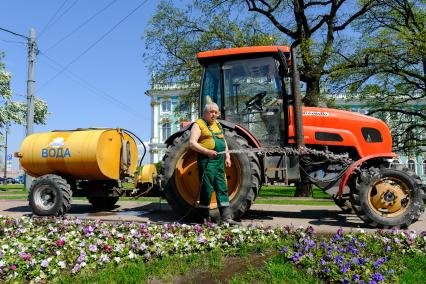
{"points": [[5, 153]]}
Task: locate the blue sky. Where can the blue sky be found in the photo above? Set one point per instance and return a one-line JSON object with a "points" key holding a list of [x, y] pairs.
{"points": [[114, 73]]}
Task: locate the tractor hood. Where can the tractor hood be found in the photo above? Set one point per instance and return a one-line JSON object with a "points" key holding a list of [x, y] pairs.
{"points": [[325, 126]]}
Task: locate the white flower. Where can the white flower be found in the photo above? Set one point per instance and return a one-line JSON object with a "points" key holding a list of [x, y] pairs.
{"points": [[2, 263], [117, 259], [54, 271], [131, 255], [359, 230], [5, 247], [83, 264], [62, 264]]}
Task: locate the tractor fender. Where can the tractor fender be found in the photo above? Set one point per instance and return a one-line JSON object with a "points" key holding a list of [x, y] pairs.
{"points": [[251, 140], [169, 141], [359, 162]]}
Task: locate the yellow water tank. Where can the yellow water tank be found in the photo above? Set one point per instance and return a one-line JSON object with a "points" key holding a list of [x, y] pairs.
{"points": [[85, 154]]}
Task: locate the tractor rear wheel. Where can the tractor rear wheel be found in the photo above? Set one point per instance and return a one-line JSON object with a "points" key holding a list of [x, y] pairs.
{"points": [[179, 176], [50, 195], [387, 197], [104, 202]]}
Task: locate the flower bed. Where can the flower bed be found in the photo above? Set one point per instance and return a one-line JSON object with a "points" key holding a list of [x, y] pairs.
{"points": [[355, 257], [40, 249]]}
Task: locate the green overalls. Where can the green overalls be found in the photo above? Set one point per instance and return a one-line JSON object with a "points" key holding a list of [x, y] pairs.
{"points": [[212, 172]]}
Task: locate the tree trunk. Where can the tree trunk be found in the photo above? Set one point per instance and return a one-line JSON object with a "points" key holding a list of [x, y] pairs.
{"points": [[303, 189], [312, 97]]}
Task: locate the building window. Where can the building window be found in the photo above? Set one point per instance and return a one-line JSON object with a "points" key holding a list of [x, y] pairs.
{"points": [[166, 106], [395, 163], [185, 107], [411, 165], [424, 167], [166, 131]]}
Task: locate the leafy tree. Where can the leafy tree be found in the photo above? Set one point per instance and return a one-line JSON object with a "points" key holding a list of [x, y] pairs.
{"points": [[387, 70], [15, 112], [175, 35], [309, 25]]}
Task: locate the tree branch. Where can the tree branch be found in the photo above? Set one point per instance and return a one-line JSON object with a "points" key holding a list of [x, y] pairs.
{"points": [[251, 4], [355, 16], [406, 112]]}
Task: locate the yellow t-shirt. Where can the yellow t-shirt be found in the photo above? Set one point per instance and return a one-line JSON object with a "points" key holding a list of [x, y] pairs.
{"points": [[206, 140]]}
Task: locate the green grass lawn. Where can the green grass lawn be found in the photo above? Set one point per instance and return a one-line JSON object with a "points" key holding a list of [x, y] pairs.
{"points": [[267, 195], [288, 191]]}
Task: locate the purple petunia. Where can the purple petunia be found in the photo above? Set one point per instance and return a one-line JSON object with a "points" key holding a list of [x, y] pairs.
{"points": [[93, 248], [377, 277], [201, 240], [380, 261], [44, 263]]}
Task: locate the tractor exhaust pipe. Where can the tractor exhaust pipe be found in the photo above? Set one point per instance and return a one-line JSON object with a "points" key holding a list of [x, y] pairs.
{"points": [[297, 101]]}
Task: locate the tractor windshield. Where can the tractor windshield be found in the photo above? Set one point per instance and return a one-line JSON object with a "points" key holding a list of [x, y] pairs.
{"points": [[252, 95]]}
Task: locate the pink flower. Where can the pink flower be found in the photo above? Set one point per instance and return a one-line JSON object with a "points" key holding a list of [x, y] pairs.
{"points": [[60, 243], [107, 248]]}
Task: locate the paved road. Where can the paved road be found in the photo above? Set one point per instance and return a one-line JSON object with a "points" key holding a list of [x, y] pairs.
{"points": [[322, 218]]}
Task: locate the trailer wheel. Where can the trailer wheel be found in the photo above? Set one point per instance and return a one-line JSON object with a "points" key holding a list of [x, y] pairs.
{"points": [[387, 198], [179, 176], [50, 195], [106, 202]]}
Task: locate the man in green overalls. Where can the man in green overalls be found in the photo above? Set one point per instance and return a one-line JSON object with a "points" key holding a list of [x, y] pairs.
{"points": [[208, 139]]}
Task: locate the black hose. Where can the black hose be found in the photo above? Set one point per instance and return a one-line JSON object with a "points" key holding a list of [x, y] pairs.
{"points": [[331, 182], [144, 148]]}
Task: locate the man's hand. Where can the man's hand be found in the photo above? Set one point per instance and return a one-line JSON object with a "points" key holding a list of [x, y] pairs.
{"points": [[211, 153], [228, 161]]}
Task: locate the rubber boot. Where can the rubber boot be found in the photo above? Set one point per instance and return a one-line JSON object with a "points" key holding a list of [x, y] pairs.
{"points": [[225, 214], [205, 215]]}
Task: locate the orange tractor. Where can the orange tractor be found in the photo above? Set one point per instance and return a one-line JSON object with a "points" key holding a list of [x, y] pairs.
{"points": [[273, 139]]}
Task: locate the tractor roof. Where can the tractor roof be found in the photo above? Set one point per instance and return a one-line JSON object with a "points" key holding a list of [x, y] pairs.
{"points": [[211, 54]]}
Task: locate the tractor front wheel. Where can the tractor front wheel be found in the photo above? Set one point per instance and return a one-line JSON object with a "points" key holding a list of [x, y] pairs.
{"points": [[50, 195], [387, 198]]}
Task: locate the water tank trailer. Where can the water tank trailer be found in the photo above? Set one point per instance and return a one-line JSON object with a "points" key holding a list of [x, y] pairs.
{"points": [[84, 162]]}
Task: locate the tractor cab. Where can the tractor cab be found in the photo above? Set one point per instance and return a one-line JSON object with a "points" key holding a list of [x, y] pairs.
{"points": [[247, 85]]}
